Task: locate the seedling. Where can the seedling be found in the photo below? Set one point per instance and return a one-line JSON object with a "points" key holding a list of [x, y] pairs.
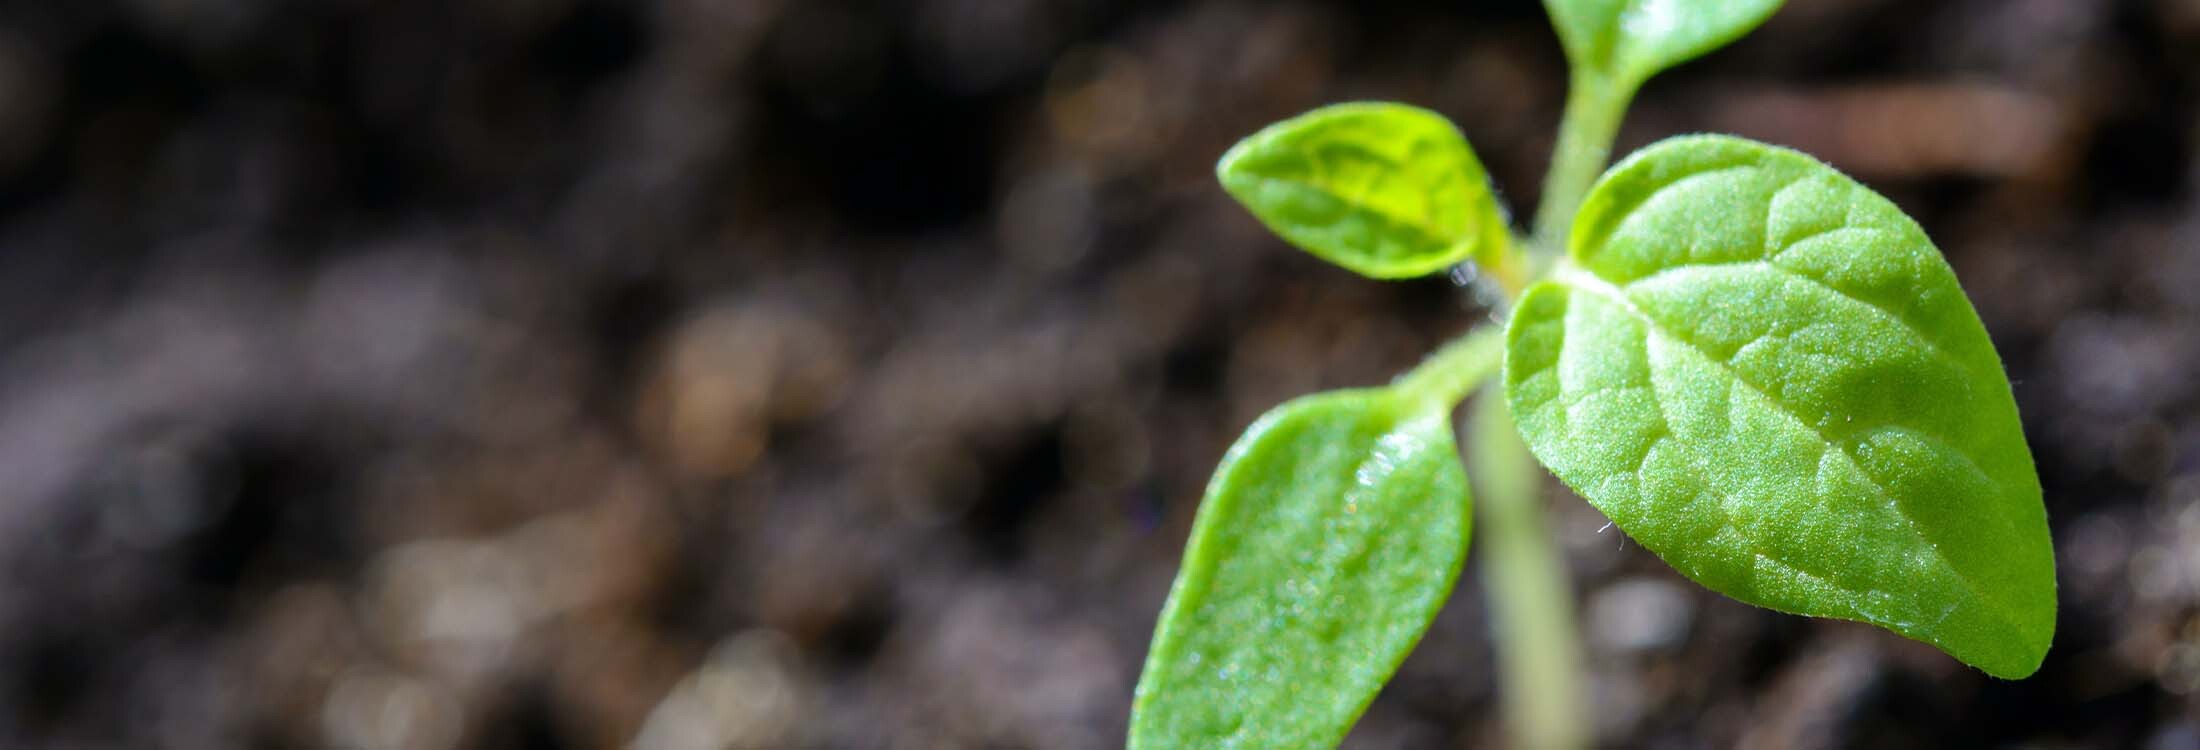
{"points": [[1757, 368]]}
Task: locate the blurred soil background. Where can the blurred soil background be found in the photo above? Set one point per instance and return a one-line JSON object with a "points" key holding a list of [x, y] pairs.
{"points": [[839, 374]]}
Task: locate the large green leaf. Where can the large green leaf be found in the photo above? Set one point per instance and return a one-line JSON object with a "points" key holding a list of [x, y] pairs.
{"points": [[1386, 190], [1766, 374], [1330, 535], [1632, 40]]}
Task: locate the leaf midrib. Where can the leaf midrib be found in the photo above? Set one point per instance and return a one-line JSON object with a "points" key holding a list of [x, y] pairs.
{"points": [[1317, 181], [1425, 235], [1577, 278]]}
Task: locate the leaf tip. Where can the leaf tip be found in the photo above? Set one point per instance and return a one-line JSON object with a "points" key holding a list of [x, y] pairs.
{"points": [[2015, 665], [2017, 654]]}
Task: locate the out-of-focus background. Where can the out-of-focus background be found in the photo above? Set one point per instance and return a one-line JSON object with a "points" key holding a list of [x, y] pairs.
{"points": [[842, 374]]}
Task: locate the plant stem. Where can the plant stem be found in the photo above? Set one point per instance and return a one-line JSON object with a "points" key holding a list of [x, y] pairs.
{"points": [[1510, 272], [1455, 370], [1594, 106], [1531, 601]]}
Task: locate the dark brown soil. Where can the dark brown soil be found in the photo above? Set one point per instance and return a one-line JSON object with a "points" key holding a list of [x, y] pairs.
{"points": [[841, 374]]}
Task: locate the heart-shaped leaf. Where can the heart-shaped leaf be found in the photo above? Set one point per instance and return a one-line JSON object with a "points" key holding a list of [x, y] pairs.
{"points": [[1386, 190], [1766, 374], [1330, 536], [1631, 40]]}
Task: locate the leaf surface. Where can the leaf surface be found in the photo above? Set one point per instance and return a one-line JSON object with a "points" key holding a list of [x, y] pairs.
{"points": [[1329, 537], [1386, 190], [1766, 374], [1635, 39]]}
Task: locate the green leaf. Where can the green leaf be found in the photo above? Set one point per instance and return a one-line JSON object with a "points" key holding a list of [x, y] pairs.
{"points": [[1766, 374], [1330, 535], [1632, 40], [1386, 190]]}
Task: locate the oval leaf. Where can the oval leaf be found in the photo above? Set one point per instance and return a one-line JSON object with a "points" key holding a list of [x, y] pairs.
{"points": [[1765, 373], [1386, 190], [1330, 535], [1634, 39]]}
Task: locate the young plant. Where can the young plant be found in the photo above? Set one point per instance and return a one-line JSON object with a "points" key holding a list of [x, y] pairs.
{"points": [[1757, 368]]}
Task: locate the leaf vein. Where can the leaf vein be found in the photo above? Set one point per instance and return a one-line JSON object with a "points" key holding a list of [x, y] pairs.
{"points": [[1588, 283], [1930, 344]]}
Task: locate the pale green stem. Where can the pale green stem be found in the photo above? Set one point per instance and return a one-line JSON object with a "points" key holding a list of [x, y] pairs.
{"points": [[1511, 271], [1594, 105], [1452, 372], [1531, 601], [1538, 642]]}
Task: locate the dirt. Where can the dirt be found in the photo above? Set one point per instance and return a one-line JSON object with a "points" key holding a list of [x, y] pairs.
{"points": [[564, 373]]}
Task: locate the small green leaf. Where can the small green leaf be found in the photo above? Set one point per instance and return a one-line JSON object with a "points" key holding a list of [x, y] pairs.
{"points": [[1632, 40], [1766, 374], [1386, 190], [1330, 536]]}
